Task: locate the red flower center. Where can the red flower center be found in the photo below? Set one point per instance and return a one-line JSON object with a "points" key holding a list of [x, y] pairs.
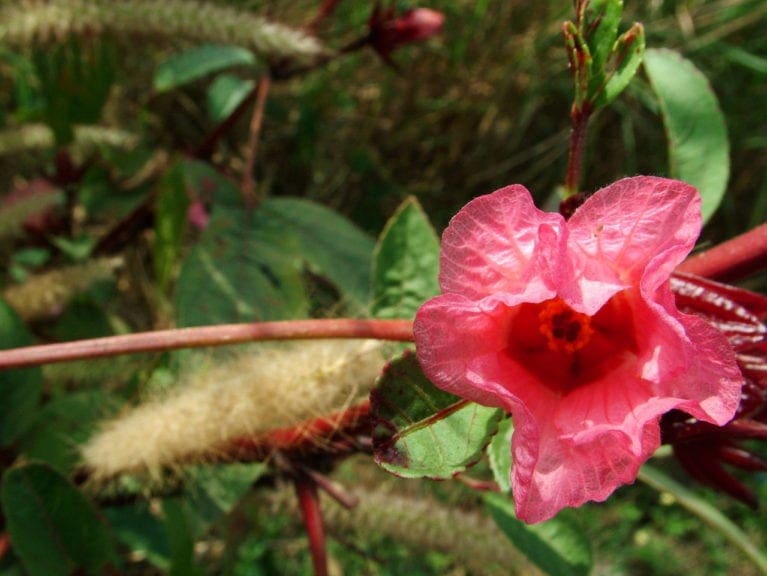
{"points": [[564, 348], [565, 329]]}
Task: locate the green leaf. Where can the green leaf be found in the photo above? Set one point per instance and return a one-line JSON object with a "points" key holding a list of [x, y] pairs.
{"points": [[600, 27], [77, 249], [706, 512], [75, 80], [557, 546], [171, 208], [136, 527], [624, 61], [180, 539], [698, 146], [65, 423], [226, 93], [20, 389], [331, 245], [246, 267], [54, 529], [213, 491], [581, 62], [421, 431], [192, 64], [405, 263], [499, 454]]}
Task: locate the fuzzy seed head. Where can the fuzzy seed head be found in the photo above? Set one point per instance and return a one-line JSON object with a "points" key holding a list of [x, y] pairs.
{"points": [[278, 386]]}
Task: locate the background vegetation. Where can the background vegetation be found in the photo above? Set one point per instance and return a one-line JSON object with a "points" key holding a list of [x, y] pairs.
{"points": [[94, 241]]}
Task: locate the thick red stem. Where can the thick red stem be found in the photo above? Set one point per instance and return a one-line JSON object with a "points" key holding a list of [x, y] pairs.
{"points": [[199, 337], [326, 434], [309, 502], [733, 259], [580, 122]]}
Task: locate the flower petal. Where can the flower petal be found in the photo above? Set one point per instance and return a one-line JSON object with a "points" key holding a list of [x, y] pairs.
{"points": [[635, 230], [502, 243], [712, 381], [570, 474], [456, 342]]}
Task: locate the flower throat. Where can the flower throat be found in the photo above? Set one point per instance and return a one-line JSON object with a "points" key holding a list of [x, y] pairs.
{"points": [[565, 329]]}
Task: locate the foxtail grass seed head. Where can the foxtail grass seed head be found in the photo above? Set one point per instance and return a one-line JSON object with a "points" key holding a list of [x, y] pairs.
{"points": [[34, 21], [47, 294], [278, 386]]}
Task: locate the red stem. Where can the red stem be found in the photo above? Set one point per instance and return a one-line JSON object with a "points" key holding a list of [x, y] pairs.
{"points": [[735, 258], [308, 501], [326, 10], [248, 183], [206, 148], [199, 337], [329, 434], [580, 121], [5, 544]]}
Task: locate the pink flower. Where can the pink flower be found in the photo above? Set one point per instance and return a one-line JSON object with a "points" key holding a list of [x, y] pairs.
{"points": [[571, 327]]}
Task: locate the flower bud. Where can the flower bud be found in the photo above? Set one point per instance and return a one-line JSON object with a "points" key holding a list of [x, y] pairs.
{"points": [[389, 30]]}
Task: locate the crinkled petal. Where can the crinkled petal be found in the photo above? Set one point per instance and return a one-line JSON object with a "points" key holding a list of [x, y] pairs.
{"points": [[695, 362], [635, 230], [584, 445], [456, 341], [502, 243], [571, 473]]}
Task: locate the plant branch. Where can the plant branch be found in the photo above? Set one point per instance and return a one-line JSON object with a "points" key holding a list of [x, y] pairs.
{"points": [[579, 117], [733, 259], [248, 185], [309, 503], [206, 148], [5, 544], [206, 336]]}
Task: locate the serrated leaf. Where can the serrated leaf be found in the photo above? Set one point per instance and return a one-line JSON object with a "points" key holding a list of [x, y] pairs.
{"points": [[193, 64], [54, 529], [557, 546], [405, 263], [625, 60], [20, 389], [421, 431], [171, 207], [499, 454], [227, 92], [699, 150], [331, 245], [245, 268]]}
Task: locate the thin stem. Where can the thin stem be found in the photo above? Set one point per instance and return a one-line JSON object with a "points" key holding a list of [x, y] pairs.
{"points": [[257, 120], [733, 259], [332, 489], [326, 10], [308, 501], [580, 121], [205, 149], [478, 485], [5, 544], [202, 336]]}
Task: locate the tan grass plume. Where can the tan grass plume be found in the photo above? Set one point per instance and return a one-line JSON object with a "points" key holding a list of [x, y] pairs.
{"points": [[275, 387]]}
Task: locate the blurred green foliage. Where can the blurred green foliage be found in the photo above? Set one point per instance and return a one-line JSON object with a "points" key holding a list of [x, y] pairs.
{"points": [[117, 129]]}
